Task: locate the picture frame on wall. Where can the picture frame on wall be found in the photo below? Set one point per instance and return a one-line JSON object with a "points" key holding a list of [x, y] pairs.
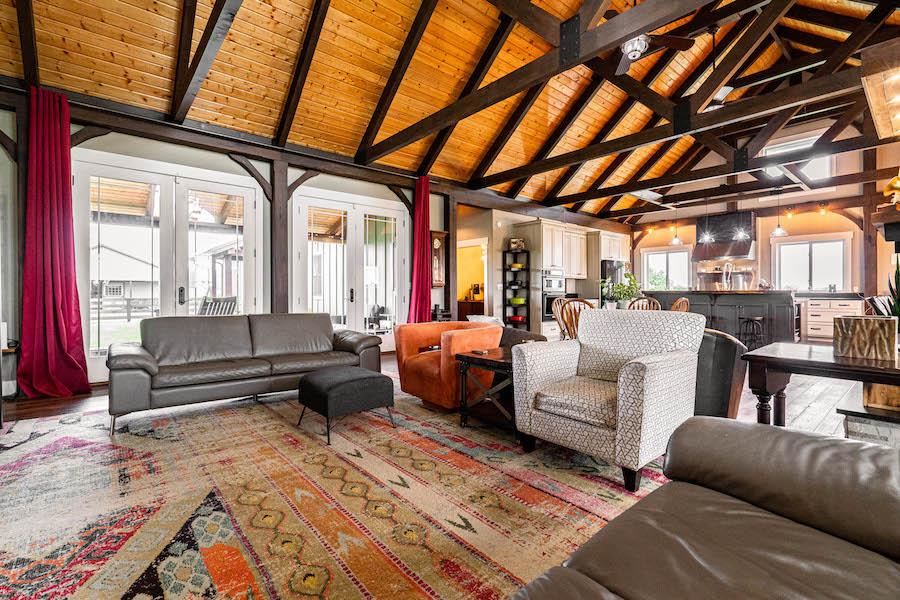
{"points": [[438, 259]]}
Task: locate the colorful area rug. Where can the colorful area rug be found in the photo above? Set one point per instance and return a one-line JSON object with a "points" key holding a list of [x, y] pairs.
{"points": [[232, 500]]}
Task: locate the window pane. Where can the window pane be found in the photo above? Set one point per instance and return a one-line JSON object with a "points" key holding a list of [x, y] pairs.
{"points": [[215, 253], [655, 271], [124, 260], [793, 266], [828, 265], [679, 271], [817, 168], [381, 282], [327, 266]]}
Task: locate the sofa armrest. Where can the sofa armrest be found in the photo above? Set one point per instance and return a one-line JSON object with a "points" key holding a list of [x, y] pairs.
{"points": [[353, 341], [130, 355], [846, 488], [655, 396], [536, 366]]}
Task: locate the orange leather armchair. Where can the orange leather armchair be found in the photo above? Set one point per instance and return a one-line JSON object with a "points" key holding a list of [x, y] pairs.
{"points": [[433, 375]]}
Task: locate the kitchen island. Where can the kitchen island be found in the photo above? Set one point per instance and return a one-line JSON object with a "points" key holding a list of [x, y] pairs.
{"points": [[725, 309]]}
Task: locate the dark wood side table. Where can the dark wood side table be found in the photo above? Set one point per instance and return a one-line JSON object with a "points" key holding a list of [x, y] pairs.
{"points": [[496, 360], [771, 368]]}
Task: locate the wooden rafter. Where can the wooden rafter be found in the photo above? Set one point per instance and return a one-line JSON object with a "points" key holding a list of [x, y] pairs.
{"points": [[504, 28], [509, 127], [646, 16], [590, 11], [420, 23], [833, 86], [185, 37], [301, 70], [220, 20], [28, 42], [835, 60], [533, 17]]}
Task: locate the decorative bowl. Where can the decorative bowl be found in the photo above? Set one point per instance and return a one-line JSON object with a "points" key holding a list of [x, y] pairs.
{"points": [[516, 319], [517, 266], [518, 301]]}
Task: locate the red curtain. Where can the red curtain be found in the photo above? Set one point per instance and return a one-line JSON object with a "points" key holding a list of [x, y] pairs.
{"points": [[52, 361], [420, 297]]}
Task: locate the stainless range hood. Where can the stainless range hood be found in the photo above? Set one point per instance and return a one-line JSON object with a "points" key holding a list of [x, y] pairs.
{"points": [[733, 236]]}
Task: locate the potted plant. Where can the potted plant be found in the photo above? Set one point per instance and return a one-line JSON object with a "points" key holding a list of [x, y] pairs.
{"points": [[889, 306], [621, 293]]}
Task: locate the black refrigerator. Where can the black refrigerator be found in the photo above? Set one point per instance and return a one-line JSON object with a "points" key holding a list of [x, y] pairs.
{"points": [[612, 270]]}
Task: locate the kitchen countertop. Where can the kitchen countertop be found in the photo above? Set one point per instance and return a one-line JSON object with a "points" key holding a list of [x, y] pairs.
{"points": [[718, 292]]}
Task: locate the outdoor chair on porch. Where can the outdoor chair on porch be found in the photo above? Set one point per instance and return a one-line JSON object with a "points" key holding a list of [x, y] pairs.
{"points": [[217, 307]]}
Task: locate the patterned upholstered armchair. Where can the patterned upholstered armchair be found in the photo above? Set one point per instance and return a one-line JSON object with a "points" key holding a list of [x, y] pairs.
{"points": [[617, 392]]}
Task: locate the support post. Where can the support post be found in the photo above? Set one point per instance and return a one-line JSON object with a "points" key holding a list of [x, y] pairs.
{"points": [[278, 226], [870, 233], [450, 216]]}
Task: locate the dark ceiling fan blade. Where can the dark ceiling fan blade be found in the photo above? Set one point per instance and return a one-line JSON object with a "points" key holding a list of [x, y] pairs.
{"points": [[624, 64], [672, 41]]}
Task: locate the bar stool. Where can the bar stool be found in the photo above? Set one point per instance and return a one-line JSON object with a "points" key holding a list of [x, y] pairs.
{"points": [[751, 332]]}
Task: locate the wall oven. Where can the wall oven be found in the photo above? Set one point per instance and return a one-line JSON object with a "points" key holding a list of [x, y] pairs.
{"points": [[553, 281]]}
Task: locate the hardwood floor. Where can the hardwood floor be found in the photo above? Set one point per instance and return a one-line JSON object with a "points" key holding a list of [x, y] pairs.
{"points": [[810, 402]]}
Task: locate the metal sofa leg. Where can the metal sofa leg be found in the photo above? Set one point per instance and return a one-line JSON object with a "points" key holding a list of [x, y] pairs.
{"points": [[632, 479], [301, 416], [391, 415], [112, 424], [328, 429]]}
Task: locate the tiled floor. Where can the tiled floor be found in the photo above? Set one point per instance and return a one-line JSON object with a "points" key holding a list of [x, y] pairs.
{"points": [[810, 402]]}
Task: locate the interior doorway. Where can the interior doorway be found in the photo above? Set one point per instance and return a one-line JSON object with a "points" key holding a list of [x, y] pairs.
{"points": [[471, 276]]}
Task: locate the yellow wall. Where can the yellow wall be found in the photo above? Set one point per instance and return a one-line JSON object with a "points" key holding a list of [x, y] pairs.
{"points": [[469, 270]]}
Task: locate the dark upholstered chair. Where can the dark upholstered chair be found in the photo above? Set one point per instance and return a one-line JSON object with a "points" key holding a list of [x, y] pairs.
{"points": [[720, 375]]}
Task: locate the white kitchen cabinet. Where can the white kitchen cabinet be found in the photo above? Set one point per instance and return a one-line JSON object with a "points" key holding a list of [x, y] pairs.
{"points": [[820, 314], [553, 243], [615, 246], [575, 254]]}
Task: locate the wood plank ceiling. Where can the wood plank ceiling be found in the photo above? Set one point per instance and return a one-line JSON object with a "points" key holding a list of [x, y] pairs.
{"points": [[126, 51]]}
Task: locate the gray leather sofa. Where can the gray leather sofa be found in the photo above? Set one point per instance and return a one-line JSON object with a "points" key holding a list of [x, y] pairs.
{"points": [[182, 360], [753, 511]]}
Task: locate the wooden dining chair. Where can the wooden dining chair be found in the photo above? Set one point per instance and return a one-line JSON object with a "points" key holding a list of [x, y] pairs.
{"points": [[570, 313], [556, 308], [644, 303], [681, 305]]}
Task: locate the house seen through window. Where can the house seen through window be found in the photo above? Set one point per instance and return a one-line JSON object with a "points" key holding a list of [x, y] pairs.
{"points": [[666, 269], [811, 266]]}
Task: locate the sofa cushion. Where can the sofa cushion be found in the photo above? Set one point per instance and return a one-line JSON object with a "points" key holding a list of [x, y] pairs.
{"points": [[611, 338], [210, 372], [686, 541], [290, 334], [182, 340], [310, 361], [584, 399]]}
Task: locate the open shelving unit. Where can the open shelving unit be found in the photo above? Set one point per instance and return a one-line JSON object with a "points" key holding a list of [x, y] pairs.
{"points": [[516, 285]]}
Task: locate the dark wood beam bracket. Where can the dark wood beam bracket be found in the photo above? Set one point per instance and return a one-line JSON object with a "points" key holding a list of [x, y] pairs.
{"points": [[251, 170], [87, 133], [220, 19], [9, 146], [420, 23], [309, 174], [301, 70], [28, 42], [398, 191]]}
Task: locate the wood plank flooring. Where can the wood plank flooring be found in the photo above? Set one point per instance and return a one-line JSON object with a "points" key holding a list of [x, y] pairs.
{"points": [[810, 402]]}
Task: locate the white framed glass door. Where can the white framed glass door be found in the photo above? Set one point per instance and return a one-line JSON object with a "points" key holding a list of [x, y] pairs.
{"points": [[352, 262], [124, 254], [215, 233]]}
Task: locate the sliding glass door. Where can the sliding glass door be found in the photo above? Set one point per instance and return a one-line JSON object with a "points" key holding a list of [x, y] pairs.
{"points": [[351, 263]]}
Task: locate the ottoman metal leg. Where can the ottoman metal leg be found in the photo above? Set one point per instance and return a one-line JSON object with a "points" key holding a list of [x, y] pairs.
{"points": [[112, 424], [328, 429], [391, 415], [301, 416]]}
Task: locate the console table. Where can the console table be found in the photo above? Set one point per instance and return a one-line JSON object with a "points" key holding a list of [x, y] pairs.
{"points": [[496, 360], [771, 368]]}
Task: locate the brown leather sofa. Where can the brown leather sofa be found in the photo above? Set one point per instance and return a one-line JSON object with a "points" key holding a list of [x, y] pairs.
{"points": [[752, 511], [182, 360]]}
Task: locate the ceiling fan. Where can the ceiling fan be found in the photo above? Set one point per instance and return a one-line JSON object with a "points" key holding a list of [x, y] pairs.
{"points": [[635, 48]]}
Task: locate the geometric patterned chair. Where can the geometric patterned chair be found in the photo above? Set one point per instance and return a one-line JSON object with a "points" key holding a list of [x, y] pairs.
{"points": [[617, 392]]}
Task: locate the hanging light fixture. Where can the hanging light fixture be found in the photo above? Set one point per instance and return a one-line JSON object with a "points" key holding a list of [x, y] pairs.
{"points": [[779, 231], [676, 241], [706, 237]]}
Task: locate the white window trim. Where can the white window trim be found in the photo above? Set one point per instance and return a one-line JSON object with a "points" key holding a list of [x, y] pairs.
{"points": [[689, 248], [843, 236]]}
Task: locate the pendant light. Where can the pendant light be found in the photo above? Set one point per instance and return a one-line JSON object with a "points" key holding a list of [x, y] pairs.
{"points": [[676, 241], [779, 231], [706, 237]]}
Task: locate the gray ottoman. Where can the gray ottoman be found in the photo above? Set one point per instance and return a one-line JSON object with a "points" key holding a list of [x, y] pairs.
{"points": [[338, 391]]}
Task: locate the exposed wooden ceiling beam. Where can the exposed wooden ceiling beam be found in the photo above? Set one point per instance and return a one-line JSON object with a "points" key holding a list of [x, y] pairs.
{"points": [[185, 37], [584, 99], [729, 64], [301, 70], [504, 28], [842, 83], [420, 23], [781, 69], [655, 71], [590, 12], [509, 127], [28, 42], [220, 20], [647, 16], [533, 17], [720, 17], [835, 61], [824, 18]]}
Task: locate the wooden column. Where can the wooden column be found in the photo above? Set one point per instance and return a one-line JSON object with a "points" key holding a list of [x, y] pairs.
{"points": [[450, 206], [870, 233], [279, 223]]}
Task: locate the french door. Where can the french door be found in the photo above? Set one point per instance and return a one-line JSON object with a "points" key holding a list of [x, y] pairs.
{"points": [[152, 244], [352, 263]]}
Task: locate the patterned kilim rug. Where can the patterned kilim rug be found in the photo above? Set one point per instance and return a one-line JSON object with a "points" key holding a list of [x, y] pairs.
{"points": [[231, 500]]}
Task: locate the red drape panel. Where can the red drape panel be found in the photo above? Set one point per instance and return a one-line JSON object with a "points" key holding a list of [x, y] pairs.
{"points": [[420, 296], [52, 361]]}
